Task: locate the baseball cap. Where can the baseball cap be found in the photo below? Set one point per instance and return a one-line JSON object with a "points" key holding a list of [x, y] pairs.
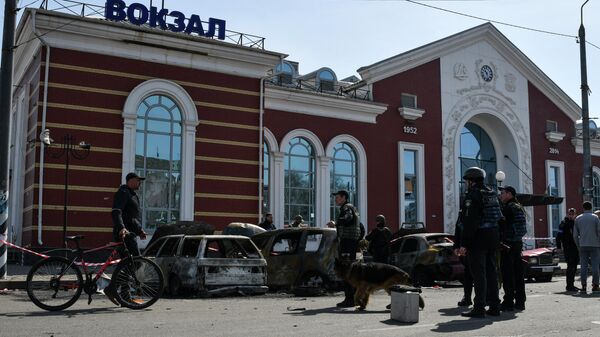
{"points": [[132, 175], [342, 192], [509, 189]]}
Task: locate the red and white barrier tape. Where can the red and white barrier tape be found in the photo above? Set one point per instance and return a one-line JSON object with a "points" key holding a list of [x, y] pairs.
{"points": [[46, 256], [24, 249]]}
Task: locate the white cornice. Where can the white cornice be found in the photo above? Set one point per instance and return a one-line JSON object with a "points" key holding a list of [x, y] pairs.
{"points": [[411, 114], [555, 136], [486, 32], [291, 100], [152, 45], [594, 146]]}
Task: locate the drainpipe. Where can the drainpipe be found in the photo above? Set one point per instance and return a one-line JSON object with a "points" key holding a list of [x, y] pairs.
{"points": [[42, 145]]}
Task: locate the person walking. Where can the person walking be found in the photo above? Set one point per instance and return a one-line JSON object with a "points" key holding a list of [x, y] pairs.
{"points": [[348, 234], [379, 240], [479, 241], [586, 234], [566, 243], [513, 227]]}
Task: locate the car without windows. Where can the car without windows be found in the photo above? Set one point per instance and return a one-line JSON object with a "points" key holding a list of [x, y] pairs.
{"points": [[209, 264], [300, 259], [427, 257]]}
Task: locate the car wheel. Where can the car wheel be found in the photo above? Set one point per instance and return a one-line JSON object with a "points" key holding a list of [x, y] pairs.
{"points": [[421, 278], [174, 286], [544, 278], [310, 284]]}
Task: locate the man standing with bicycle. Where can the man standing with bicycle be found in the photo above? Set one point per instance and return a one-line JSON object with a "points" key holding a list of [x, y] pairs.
{"points": [[126, 214]]}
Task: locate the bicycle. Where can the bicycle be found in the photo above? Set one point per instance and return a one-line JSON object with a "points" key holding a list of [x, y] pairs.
{"points": [[56, 283]]}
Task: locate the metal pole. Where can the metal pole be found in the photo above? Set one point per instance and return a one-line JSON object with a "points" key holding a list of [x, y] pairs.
{"points": [[67, 149], [587, 160], [8, 41]]}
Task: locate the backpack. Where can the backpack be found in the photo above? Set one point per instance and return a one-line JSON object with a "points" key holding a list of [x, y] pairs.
{"points": [[492, 212]]}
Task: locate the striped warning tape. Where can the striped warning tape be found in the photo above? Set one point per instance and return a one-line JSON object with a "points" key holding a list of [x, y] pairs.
{"points": [[46, 256]]}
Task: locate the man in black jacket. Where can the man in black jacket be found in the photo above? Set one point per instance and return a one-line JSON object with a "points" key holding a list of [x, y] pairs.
{"points": [[479, 241], [379, 241], [127, 215], [564, 241]]}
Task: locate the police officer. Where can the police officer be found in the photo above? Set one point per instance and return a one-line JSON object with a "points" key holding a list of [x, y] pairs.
{"points": [[479, 241], [565, 241], [512, 228], [126, 214], [348, 233]]}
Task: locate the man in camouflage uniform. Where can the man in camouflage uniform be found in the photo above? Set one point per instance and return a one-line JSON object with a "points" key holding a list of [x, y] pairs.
{"points": [[479, 241], [348, 233]]}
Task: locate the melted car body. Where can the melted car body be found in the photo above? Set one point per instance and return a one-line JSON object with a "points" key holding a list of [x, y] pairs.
{"points": [[210, 264]]}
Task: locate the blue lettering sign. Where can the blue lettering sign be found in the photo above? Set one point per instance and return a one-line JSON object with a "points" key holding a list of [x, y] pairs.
{"points": [[138, 14]]}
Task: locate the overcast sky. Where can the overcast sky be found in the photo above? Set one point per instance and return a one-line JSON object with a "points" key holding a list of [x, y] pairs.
{"points": [[348, 34]]}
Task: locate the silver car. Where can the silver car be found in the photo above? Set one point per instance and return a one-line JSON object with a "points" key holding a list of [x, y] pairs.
{"points": [[209, 264]]}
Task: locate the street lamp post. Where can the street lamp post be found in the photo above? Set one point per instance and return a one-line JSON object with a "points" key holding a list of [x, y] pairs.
{"points": [[500, 176], [587, 160], [69, 148]]}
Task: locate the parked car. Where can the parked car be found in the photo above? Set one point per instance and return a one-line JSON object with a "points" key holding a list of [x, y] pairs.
{"points": [[427, 257], [540, 264], [300, 259], [209, 264]]}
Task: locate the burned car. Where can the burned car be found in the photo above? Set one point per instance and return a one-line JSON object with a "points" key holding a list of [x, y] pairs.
{"points": [[540, 264], [209, 264], [300, 259], [427, 257]]}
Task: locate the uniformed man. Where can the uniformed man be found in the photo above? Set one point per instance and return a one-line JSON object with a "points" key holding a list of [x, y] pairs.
{"points": [[565, 241], [348, 233], [479, 241], [126, 213]]}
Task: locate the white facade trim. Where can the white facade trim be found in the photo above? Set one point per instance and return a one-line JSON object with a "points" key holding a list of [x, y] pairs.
{"points": [[188, 137], [321, 105], [149, 44], [17, 152], [420, 163], [271, 141], [362, 172], [561, 185]]}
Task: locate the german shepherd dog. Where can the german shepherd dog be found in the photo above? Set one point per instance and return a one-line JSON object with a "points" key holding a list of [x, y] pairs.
{"points": [[367, 278]]}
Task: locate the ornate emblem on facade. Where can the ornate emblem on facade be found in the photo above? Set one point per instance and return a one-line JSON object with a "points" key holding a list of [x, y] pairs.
{"points": [[510, 82], [460, 72]]}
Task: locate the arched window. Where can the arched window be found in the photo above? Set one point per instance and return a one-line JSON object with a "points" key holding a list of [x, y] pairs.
{"points": [[477, 149], [344, 174], [284, 72], [326, 80], [266, 205], [158, 158], [596, 192], [299, 185]]}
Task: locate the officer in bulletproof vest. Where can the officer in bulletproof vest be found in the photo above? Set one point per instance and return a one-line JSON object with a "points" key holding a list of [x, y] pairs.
{"points": [[348, 233], [513, 227], [126, 213], [479, 241]]}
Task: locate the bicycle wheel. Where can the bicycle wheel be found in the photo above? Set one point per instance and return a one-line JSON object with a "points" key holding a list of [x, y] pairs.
{"points": [[54, 283], [138, 282]]}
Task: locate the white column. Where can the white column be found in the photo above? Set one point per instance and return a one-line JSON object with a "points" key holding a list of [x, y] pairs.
{"points": [[277, 187], [323, 191], [128, 146], [188, 174]]}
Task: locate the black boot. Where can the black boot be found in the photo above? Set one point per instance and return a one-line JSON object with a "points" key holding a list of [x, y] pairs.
{"points": [[475, 312], [465, 302]]}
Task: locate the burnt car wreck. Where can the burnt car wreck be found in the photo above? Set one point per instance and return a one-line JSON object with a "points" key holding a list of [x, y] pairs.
{"points": [[209, 264]]}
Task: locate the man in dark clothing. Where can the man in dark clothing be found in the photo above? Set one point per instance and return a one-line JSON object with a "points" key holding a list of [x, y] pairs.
{"points": [[267, 224], [298, 221], [564, 241], [512, 228], [379, 240], [126, 214], [479, 241], [348, 233], [467, 278]]}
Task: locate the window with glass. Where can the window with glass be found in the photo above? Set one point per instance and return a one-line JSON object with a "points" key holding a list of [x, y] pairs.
{"points": [[326, 80], [285, 73], [596, 192], [158, 158], [410, 186], [477, 149], [266, 205], [409, 101], [554, 190], [343, 174], [299, 175]]}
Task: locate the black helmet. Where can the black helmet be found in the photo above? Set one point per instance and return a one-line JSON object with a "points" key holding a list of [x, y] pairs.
{"points": [[474, 173]]}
